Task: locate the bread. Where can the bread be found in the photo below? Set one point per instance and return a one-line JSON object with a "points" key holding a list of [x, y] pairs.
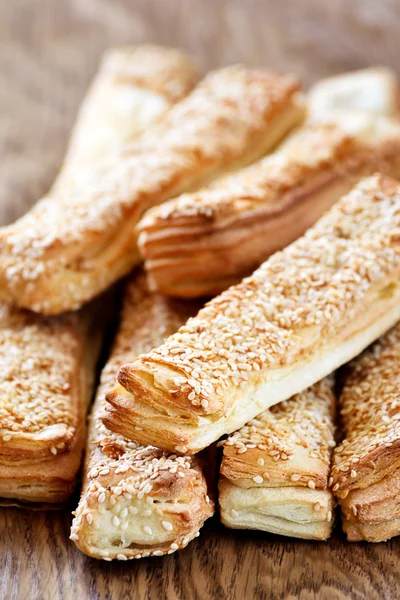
{"points": [[374, 91], [134, 87], [136, 500], [366, 467], [46, 377], [73, 245], [275, 470], [200, 243], [307, 310]]}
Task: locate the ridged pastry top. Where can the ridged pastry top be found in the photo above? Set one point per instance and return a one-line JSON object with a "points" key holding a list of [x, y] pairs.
{"points": [[209, 129], [289, 444], [315, 148], [370, 412], [311, 288], [40, 383]]}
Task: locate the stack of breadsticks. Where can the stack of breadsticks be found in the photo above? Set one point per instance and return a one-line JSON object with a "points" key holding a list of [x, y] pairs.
{"points": [[237, 176]]}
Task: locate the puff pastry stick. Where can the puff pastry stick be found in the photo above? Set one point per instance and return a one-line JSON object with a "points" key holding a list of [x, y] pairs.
{"points": [[199, 244], [134, 87], [366, 467], [71, 247], [275, 470], [137, 500], [46, 377], [307, 310], [374, 91]]}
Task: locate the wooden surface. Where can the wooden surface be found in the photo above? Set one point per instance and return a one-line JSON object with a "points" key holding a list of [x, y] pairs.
{"points": [[49, 50]]}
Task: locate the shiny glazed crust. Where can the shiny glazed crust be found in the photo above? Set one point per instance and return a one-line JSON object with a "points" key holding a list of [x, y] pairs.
{"points": [[307, 310], [137, 501], [76, 243]]}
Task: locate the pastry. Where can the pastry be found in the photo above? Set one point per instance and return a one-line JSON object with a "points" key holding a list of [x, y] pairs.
{"points": [[374, 91], [46, 377], [366, 467], [134, 87], [71, 246], [307, 310], [137, 500], [201, 243], [275, 470]]}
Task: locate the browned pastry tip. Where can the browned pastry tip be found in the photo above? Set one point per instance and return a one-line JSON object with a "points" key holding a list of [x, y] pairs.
{"points": [[307, 310], [138, 501]]}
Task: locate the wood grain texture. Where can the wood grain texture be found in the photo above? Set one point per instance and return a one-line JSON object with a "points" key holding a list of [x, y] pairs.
{"points": [[49, 51]]}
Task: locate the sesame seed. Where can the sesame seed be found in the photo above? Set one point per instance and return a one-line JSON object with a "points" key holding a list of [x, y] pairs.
{"points": [[102, 498], [167, 525], [121, 557], [311, 484], [258, 479], [148, 530]]}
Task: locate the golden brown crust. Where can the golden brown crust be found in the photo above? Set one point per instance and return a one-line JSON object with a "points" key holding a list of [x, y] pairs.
{"points": [[138, 501], [69, 248], [40, 385], [134, 87], [369, 409], [288, 445], [274, 471], [46, 378], [306, 311], [200, 243]]}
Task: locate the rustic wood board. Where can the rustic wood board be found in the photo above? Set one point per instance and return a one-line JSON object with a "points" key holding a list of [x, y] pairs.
{"points": [[49, 49]]}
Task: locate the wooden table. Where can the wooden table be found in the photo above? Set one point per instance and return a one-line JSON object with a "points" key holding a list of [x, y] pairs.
{"points": [[49, 49]]}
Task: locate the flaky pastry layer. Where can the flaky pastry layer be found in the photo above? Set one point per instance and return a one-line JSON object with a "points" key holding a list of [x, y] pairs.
{"points": [[71, 246], [307, 310], [274, 471], [138, 501], [46, 380], [200, 243]]}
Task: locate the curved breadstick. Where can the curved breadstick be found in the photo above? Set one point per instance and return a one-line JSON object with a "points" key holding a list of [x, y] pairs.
{"points": [[136, 500], [306, 311]]}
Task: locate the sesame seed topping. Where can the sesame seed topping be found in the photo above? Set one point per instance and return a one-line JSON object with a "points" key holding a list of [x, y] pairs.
{"points": [[167, 525]]}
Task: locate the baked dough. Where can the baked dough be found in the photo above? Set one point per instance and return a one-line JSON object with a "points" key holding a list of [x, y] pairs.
{"points": [[46, 379], [366, 467], [307, 310], [374, 91], [73, 245], [138, 501], [200, 243], [134, 87], [275, 470]]}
